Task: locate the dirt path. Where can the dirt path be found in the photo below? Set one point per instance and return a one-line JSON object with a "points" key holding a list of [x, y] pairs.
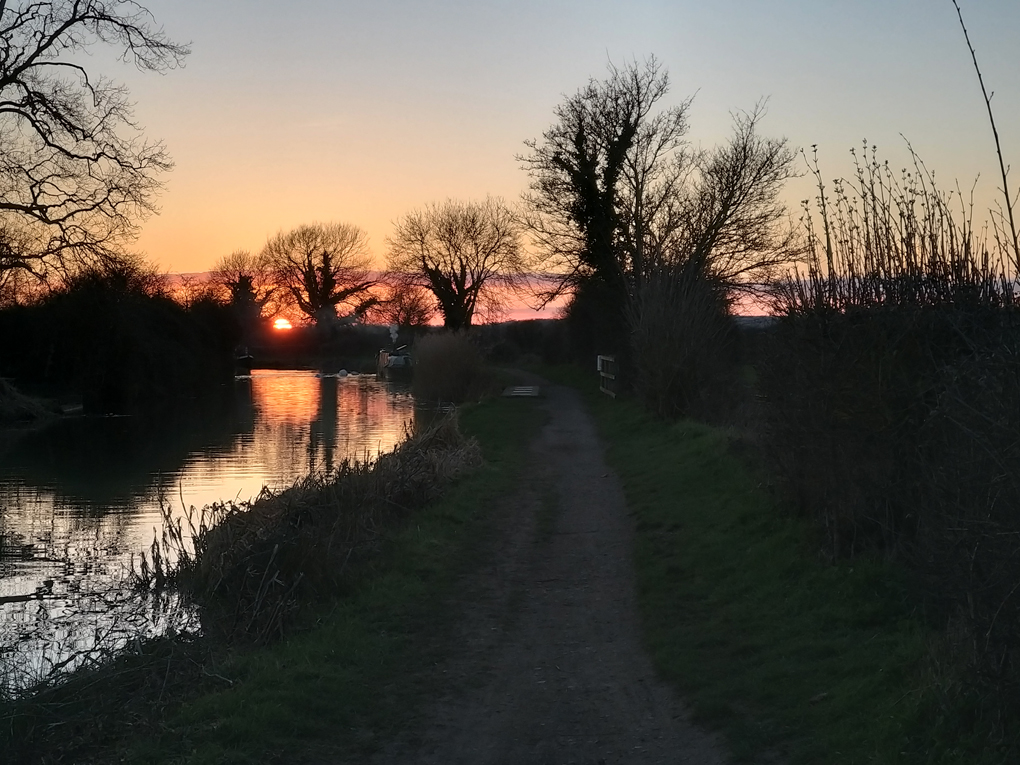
{"points": [[550, 666]]}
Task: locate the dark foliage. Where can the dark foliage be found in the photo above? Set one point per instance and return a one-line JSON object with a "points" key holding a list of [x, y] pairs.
{"points": [[93, 708], [596, 321], [114, 338], [686, 347], [892, 396], [514, 342]]}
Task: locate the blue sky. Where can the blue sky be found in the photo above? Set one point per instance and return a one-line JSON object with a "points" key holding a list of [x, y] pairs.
{"points": [[294, 112]]}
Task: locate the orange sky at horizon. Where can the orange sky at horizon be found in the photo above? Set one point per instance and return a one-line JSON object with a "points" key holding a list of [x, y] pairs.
{"points": [[515, 307], [360, 113]]}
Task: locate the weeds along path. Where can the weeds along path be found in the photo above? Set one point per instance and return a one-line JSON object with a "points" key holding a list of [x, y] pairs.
{"points": [[549, 666]]}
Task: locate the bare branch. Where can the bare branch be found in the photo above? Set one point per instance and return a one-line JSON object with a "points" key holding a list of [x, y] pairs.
{"points": [[1010, 202], [461, 252], [72, 159]]}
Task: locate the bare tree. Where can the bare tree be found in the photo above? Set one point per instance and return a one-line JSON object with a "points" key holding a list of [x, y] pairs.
{"points": [[725, 221], [190, 289], [721, 231], [249, 282], [461, 251], [616, 191], [75, 173], [322, 266], [247, 279], [600, 172], [405, 303]]}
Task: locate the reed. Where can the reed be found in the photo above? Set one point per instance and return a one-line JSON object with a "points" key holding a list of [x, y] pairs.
{"points": [[250, 566]]}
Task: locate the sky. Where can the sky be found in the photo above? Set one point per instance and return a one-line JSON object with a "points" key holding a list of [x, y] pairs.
{"points": [[327, 110]]}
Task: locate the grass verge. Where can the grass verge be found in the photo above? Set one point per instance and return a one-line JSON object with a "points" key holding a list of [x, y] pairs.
{"points": [[354, 678], [787, 655]]}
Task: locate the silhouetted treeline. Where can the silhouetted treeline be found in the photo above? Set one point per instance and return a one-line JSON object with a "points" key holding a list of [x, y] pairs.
{"points": [[117, 339]]}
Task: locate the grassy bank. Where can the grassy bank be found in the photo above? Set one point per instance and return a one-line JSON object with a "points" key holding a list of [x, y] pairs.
{"points": [[784, 652], [350, 676], [355, 678]]}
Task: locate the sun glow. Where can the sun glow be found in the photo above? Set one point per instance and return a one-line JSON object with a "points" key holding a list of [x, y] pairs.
{"points": [[282, 324]]}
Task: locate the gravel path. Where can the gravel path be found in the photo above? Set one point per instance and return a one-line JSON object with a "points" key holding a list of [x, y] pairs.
{"points": [[550, 667]]}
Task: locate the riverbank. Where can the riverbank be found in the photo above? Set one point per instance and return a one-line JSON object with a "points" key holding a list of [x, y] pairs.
{"points": [[346, 668], [18, 409]]}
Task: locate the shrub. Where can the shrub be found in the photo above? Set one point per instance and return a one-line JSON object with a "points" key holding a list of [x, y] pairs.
{"points": [[525, 341], [684, 345], [448, 367], [893, 405], [117, 339]]}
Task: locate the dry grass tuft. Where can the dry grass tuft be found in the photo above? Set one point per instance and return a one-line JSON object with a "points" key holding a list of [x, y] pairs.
{"points": [[448, 368], [250, 566]]}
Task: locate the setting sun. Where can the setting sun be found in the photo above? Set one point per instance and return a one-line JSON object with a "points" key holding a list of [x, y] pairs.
{"points": [[282, 324]]}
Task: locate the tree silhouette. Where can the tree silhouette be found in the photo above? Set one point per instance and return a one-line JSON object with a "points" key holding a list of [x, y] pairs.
{"points": [[618, 197], [592, 170], [404, 302], [461, 251], [75, 173], [250, 284], [322, 266]]}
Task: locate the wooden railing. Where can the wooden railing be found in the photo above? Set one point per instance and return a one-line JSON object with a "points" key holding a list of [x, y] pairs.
{"points": [[608, 382]]}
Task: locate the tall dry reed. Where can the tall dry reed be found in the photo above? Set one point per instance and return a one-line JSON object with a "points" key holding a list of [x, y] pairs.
{"points": [[250, 566]]}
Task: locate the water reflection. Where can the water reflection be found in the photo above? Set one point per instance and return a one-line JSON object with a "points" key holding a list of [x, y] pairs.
{"points": [[79, 499]]}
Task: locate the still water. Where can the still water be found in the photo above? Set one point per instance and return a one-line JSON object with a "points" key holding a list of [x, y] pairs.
{"points": [[79, 500]]}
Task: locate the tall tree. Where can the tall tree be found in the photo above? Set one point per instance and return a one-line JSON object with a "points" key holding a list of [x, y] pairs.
{"points": [[321, 267], [725, 221], [617, 195], [249, 282], [75, 173], [462, 252], [605, 150], [590, 177]]}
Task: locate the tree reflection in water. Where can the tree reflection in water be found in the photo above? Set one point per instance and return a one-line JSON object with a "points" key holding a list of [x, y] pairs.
{"points": [[79, 499]]}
